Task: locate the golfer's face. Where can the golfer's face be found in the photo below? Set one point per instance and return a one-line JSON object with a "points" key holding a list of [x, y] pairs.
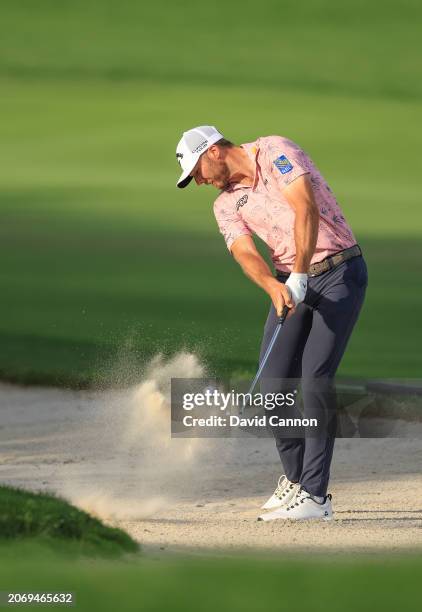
{"points": [[211, 172]]}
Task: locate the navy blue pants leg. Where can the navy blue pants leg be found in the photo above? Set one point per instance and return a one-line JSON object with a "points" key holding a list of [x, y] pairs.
{"points": [[285, 362], [310, 346]]}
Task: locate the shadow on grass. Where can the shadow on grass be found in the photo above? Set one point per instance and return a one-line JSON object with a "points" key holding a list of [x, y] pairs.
{"points": [[201, 303]]}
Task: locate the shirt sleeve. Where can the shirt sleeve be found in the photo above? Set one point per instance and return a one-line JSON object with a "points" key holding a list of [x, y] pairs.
{"points": [[286, 160], [229, 221]]}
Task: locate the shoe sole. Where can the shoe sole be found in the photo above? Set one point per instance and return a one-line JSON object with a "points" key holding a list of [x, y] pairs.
{"points": [[311, 518]]}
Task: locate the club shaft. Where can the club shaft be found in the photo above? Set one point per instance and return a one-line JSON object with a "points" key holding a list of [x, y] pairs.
{"points": [[264, 359], [280, 322]]}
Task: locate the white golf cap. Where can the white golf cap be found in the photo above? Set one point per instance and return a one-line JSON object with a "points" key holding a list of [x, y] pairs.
{"points": [[193, 143]]}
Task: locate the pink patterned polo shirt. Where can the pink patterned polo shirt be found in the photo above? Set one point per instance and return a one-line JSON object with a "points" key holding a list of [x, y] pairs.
{"points": [[262, 209]]}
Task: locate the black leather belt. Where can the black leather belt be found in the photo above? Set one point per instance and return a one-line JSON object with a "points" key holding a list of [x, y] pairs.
{"points": [[332, 261]]}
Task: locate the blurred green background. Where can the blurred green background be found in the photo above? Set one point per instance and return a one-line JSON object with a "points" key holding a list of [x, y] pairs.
{"points": [[216, 583], [102, 257]]}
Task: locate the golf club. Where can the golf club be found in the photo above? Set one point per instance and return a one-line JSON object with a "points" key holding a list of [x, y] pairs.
{"points": [[279, 325]]}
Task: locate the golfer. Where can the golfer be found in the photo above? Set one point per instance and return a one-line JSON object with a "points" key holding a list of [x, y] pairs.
{"points": [[271, 188]]}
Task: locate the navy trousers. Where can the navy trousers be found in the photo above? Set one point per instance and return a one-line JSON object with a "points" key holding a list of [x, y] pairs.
{"points": [[309, 347]]}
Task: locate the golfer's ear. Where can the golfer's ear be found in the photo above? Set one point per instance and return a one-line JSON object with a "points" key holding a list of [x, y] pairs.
{"points": [[213, 152]]}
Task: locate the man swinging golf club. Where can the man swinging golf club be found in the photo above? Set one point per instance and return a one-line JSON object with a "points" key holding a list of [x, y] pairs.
{"points": [[271, 188]]}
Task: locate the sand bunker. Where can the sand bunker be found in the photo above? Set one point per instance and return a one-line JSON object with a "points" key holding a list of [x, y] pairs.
{"points": [[111, 453]]}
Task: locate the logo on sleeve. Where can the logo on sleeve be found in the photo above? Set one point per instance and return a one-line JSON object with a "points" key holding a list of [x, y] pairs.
{"points": [[283, 164]]}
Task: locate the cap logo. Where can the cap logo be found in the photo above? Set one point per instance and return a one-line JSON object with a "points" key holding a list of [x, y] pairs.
{"points": [[200, 146], [179, 157]]}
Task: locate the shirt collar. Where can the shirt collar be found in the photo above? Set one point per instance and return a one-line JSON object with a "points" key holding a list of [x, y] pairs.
{"points": [[252, 149]]}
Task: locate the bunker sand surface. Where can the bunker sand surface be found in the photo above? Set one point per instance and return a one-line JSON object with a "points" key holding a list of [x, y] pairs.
{"points": [[111, 453]]}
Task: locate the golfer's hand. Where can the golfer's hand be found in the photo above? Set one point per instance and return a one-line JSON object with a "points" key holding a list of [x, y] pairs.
{"points": [[297, 284], [280, 296]]}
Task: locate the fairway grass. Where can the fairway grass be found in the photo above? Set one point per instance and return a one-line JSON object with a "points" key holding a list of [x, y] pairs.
{"points": [[101, 255], [104, 261]]}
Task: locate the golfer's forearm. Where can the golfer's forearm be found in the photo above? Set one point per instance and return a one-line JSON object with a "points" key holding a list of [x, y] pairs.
{"points": [[306, 234], [255, 268]]}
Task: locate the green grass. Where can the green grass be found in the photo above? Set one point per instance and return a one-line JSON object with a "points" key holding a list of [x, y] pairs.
{"points": [[104, 260], [353, 47], [217, 583], [44, 519]]}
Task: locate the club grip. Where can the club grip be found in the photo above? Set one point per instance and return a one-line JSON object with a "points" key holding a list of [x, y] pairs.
{"points": [[283, 315]]}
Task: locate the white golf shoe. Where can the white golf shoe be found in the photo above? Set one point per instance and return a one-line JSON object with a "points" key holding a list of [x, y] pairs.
{"points": [[284, 493], [301, 508]]}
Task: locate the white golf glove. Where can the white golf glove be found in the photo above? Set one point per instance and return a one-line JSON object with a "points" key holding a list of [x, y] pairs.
{"points": [[297, 284]]}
